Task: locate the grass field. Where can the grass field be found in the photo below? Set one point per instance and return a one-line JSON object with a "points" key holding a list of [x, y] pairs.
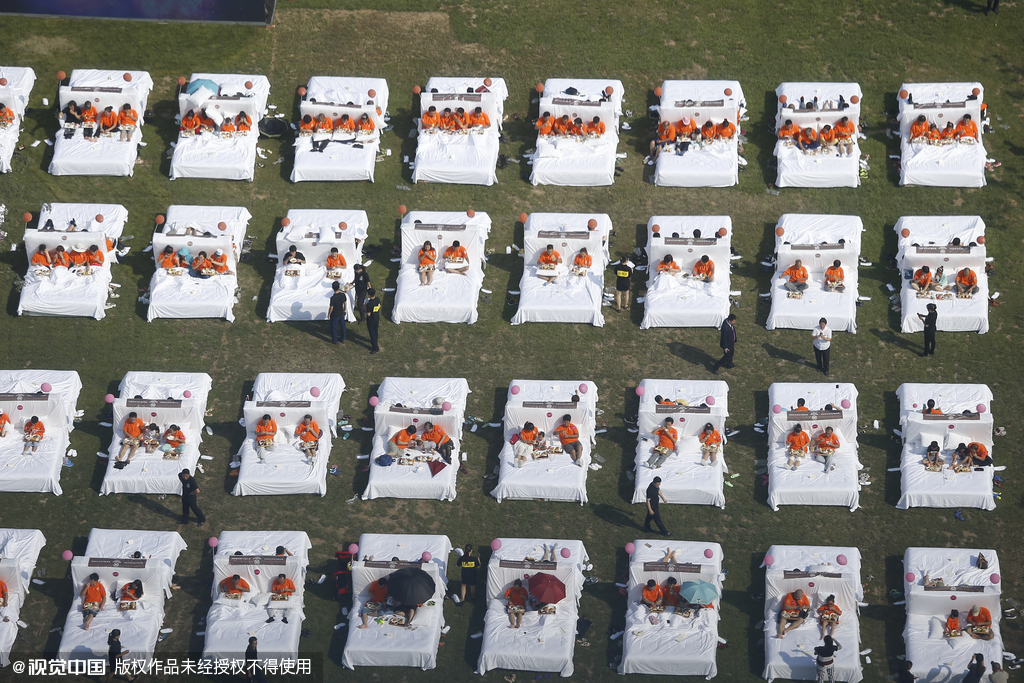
{"points": [[878, 44]]}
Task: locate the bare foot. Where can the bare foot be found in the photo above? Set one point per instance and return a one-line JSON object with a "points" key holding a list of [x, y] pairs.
{"points": [[363, 626]]}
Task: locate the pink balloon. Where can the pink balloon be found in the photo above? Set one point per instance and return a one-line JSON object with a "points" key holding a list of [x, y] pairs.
{"points": [[915, 405], [640, 391], [630, 548], [910, 577], [353, 549], [46, 387], [709, 553], [187, 393], [981, 407], [845, 404], [515, 389], [584, 389], [214, 541], [109, 398], [374, 400], [776, 409], [67, 555], [446, 406], [565, 553], [710, 400], [995, 578], [496, 544], [769, 560], [315, 392], [841, 559], [426, 556]]}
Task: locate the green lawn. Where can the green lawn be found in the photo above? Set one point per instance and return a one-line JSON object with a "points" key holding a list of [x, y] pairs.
{"points": [[878, 44]]}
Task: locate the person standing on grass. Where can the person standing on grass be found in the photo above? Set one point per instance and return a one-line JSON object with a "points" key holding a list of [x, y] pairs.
{"points": [[361, 281], [821, 336], [931, 321], [623, 271], [189, 498], [904, 675], [727, 341], [336, 313], [253, 673], [654, 498], [372, 309], [468, 564], [115, 654]]}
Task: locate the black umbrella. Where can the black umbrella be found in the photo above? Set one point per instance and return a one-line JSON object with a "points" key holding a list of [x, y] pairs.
{"points": [[411, 586]]}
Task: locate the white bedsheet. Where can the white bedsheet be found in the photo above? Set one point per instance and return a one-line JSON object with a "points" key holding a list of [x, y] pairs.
{"points": [[948, 165], [19, 550], [286, 470], [462, 159], [264, 543], [714, 165], [65, 386], [287, 386], [796, 169], [37, 472], [14, 96]]}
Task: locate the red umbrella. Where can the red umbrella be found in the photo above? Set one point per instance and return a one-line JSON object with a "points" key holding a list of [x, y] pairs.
{"points": [[547, 588]]}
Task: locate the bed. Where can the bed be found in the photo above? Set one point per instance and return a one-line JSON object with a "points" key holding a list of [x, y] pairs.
{"points": [[810, 484], [164, 403], [341, 160], [819, 572], [39, 472], [14, 95], [110, 554], [715, 165], [452, 298], [675, 301], [60, 291], [571, 298], [405, 401], [467, 159], [797, 169], [230, 623], [956, 165], [181, 294], [304, 292], [287, 386], [209, 155], [65, 386], [677, 645], [929, 243], [937, 659], [580, 163], [104, 156], [816, 240], [19, 551], [966, 417], [544, 402], [544, 643], [683, 479], [383, 644]]}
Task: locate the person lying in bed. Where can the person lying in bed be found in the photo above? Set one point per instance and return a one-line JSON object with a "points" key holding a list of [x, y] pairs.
{"points": [[459, 255], [41, 257], [308, 433], [966, 283], [796, 447], [35, 432], [547, 261], [793, 611], [704, 269], [667, 437], [979, 623], [662, 401], [710, 444], [127, 122], [430, 119], [930, 408], [801, 404], [377, 598], [966, 130], [266, 431], [668, 265], [826, 446], [427, 263], [294, 257], [132, 429], [516, 598]]}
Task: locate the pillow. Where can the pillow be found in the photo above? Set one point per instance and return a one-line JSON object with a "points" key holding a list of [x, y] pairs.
{"points": [[926, 438], [936, 628], [954, 439], [688, 444], [964, 642]]}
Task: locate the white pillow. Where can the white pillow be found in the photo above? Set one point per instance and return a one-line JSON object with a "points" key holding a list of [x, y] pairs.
{"points": [[687, 444], [954, 439], [964, 642], [936, 628], [926, 439]]}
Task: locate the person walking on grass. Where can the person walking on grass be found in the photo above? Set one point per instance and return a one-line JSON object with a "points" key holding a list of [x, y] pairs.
{"points": [[372, 307], [727, 341], [336, 313], [189, 498], [931, 321], [654, 497], [468, 563], [821, 336]]}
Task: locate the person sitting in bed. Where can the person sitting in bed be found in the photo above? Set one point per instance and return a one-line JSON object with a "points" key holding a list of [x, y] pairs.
{"points": [[435, 439], [668, 265], [922, 280], [793, 611], [307, 125], [189, 122], [378, 597], [89, 115], [704, 269], [478, 120], [403, 439], [952, 629], [60, 258], [516, 598], [667, 437], [930, 408], [78, 256], [978, 453], [132, 591], [459, 255], [919, 130], [801, 404], [174, 443], [34, 434], [41, 257], [652, 594], [834, 277], [447, 120], [583, 260], [561, 126], [710, 443], [151, 438], [243, 122], [94, 597], [670, 591], [430, 119], [127, 122], [796, 447], [233, 586], [72, 117], [708, 132], [132, 429], [797, 275], [940, 281], [979, 623], [828, 616], [365, 125], [168, 259], [324, 127], [202, 265], [227, 127], [596, 128], [569, 437], [206, 124], [545, 125], [460, 120], [966, 130], [966, 283], [427, 263], [335, 261], [827, 137], [108, 121], [346, 124], [6, 116], [4, 421], [308, 433], [282, 589], [807, 140], [826, 446], [664, 136], [933, 134], [524, 445], [294, 257], [547, 261], [94, 257], [266, 431], [789, 130], [662, 401], [725, 130], [931, 460], [220, 262], [948, 134], [845, 132]]}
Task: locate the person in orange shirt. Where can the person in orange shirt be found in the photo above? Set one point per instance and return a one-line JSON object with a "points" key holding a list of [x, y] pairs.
{"points": [[793, 611], [88, 121], [60, 258], [323, 127], [807, 140], [308, 433], [94, 257], [132, 436], [671, 592], [922, 279], [243, 122], [456, 259], [801, 404], [545, 125], [596, 128], [522, 449], [919, 129], [662, 401], [478, 119], [206, 124], [933, 134], [796, 447], [704, 269], [578, 128], [266, 431], [435, 439], [930, 408], [41, 257], [845, 132], [430, 119], [979, 623], [583, 259], [797, 275], [234, 586], [966, 130], [78, 255], [569, 436], [547, 261], [447, 120], [174, 444], [828, 616], [127, 122], [834, 277], [219, 260], [652, 595], [6, 116], [34, 433], [665, 135], [335, 260], [977, 455], [667, 437], [402, 439], [190, 122], [4, 421], [966, 283], [460, 120], [668, 265], [94, 597], [516, 598], [948, 133], [952, 629], [307, 125], [427, 263], [725, 130], [3, 594], [378, 596], [827, 136], [708, 132], [201, 264], [108, 121], [167, 258], [789, 130], [285, 587], [826, 446], [710, 443], [227, 127], [345, 124], [561, 126]]}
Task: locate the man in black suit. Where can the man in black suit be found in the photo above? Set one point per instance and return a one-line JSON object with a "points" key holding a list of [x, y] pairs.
{"points": [[728, 344]]}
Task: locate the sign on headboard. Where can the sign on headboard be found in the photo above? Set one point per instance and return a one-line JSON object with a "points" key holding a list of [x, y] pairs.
{"points": [[803, 415], [415, 411], [948, 249], [25, 397], [390, 564], [119, 562], [155, 403], [554, 234], [438, 226], [705, 410], [526, 564], [574, 102], [550, 404], [685, 568], [283, 404], [451, 97], [816, 247], [691, 241], [251, 560], [952, 417]]}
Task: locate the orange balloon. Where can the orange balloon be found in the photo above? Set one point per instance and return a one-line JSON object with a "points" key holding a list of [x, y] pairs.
{"points": [[658, 91], [61, 75], [3, 81], [540, 87], [905, 233], [99, 218], [904, 94], [127, 77], [371, 92], [783, 99], [523, 216], [471, 213], [722, 232], [592, 224], [488, 82], [182, 80], [302, 91], [728, 92], [855, 99], [27, 217], [343, 225], [655, 228], [222, 225], [780, 231], [402, 209], [609, 90], [417, 89], [160, 219], [976, 92], [981, 240], [248, 85], [285, 222]]}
